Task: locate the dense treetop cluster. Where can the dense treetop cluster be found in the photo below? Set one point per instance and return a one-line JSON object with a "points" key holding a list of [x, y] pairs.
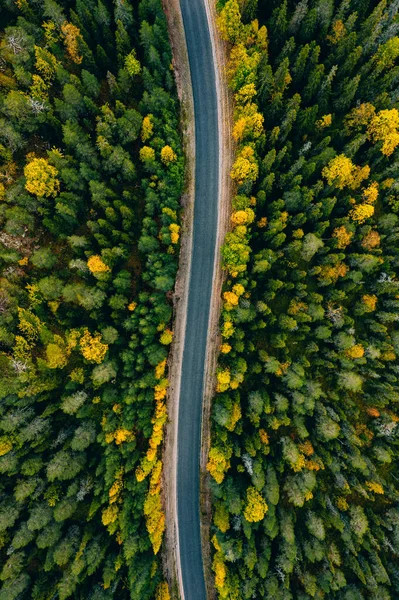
{"points": [[305, 421], [91, 174]]}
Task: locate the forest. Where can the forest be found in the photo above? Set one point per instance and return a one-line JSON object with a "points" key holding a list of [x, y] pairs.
{"points": [[304, 453], [91, 174]]}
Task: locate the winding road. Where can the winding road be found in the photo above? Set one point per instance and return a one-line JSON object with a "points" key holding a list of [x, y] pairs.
{"points": [[205, 224]]}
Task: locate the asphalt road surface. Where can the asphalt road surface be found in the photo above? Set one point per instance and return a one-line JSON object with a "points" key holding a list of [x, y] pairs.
{"points": [[200, 288]]}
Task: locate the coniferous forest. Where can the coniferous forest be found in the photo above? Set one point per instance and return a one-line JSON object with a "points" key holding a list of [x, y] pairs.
{"points": [[91, 174], [304, 455], [303, 464]]}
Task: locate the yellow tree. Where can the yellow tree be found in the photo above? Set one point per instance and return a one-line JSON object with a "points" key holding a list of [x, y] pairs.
{"points": [[375, 487], [57, 357], [343, 236], [387, 54], [96, 265], [228, 329], [359, 175], [256, 507], [223, 379], [71, 40], [229, 22], [220, 571], [122, 435], [341, 172], [325, 121], [162, 592], [370, 302], [29, 324], [50, 33], [41, 178], [359, 116], [225, 348], [338, 32], [46, 63], [238, 289], [92, 347], [384, 127], [110, 514], [370, 193], [167, 155], [219, 462], [356, 351], [362, 212], [160, 369], [242, 66], [235, 414], [5, 446], [166, 337], [245, 167], [155, 519], [39, 88], [261, 35], [147, 154], [147, 128], [248, 123], [174, 229], [243, 217], [116, 487], [132, 65], [231, 300]]}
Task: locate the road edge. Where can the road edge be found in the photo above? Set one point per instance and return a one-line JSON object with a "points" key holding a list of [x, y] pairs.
{"points": [[181, 67], [226, 156]]}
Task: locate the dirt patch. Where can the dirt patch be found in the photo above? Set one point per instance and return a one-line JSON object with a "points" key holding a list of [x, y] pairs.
{"points": [[181, 67]]}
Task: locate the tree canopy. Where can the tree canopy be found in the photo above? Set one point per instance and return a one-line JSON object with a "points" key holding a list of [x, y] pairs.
{"points": [[303, 457], [91, 173]]}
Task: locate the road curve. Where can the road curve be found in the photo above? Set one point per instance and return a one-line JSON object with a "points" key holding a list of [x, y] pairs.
{"points": [[205, 225]]}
